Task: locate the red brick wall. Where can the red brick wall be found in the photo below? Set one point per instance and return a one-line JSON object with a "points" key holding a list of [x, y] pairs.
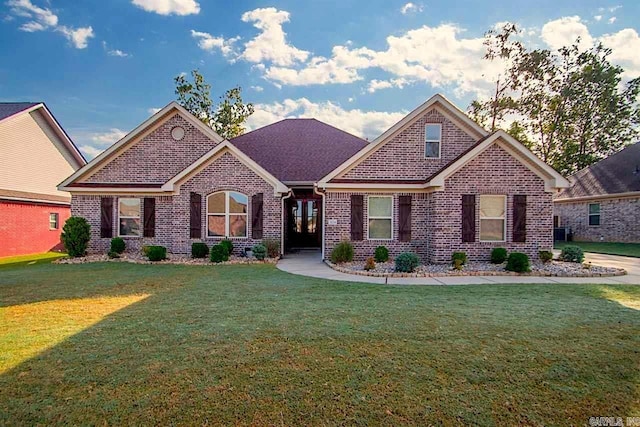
{"points": [[24, 228]]}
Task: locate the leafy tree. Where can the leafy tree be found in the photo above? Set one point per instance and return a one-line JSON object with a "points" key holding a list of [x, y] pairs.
{"points": [[227, 118]]}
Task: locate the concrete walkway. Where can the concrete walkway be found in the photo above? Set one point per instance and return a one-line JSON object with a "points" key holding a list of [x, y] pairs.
{"points": [[310, 264]]}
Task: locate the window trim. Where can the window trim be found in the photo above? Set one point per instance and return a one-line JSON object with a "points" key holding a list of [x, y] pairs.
{"points": [[439, 141], [589, 214], [504, 218], [130, 236], [57, 221], [369, 217], [226, 216]]}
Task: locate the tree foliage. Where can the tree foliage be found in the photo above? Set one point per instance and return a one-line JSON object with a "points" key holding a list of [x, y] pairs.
{"points": [[227, 118], [571, 107]]}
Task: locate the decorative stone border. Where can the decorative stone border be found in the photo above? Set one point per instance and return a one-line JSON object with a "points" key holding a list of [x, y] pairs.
{"points": [[172, 260], [585, 272]]}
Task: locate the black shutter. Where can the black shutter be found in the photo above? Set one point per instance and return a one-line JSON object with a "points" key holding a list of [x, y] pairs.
{"points": [[468, 218], [357, 223], [256, 216], [405, 218], [106, 217], [149, 217], [519, 218], [195, 215]]}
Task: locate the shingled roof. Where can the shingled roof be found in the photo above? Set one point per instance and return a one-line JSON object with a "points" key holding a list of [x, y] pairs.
{"points": [[8, 109], [299, 150], [618, 173]]}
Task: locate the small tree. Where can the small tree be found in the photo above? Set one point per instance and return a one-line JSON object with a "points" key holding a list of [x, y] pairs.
{"points": [[75, 236]]}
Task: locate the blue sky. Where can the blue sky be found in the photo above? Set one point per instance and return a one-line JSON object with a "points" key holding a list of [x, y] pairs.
{"points": [[102, 67]]}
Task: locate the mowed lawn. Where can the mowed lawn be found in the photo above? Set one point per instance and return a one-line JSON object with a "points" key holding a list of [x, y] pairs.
{"points": [[611, 248], [117, 343]]}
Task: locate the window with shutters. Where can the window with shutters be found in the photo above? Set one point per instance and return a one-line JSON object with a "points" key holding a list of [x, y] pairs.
{"points": [[129, 217], [432, 140], [380, 216], [227, 214], [492, 218], [594, 213]]}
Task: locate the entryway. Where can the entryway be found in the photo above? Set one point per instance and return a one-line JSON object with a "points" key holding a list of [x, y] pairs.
{"points": [[303, 218]]}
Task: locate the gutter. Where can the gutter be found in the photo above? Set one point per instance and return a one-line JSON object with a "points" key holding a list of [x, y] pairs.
{"points": [[322, 194]]}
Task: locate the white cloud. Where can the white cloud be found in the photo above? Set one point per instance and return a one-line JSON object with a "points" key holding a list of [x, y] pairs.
{"points": [[375, 85], [210, 43], [107, 138], [624, 45], [169, 7], [89, 151], [257, 88], [118, 53], [564, 32], [368, 124], [153, 110], [612, 20], [598, 18], [78, 37], [411, 7]]}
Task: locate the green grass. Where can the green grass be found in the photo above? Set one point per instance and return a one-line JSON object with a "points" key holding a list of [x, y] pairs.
{"points": [[43, 258], [116, 343], [625, 249]]}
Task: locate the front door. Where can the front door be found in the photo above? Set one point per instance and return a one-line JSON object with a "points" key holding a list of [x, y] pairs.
{"points": [[304, 223]]}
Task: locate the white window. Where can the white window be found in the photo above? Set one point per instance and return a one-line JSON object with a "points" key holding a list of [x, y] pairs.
{"points": [[492, 218], [53, 221], [227, 214], [129, 217], [594, 213], [380, 214], [432, 139]]}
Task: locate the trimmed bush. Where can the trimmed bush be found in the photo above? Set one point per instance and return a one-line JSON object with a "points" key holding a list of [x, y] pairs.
{"points": [[227, 244], [273, 247], [407, 262], [145, 250], [518, 262], [342, 252], [156, 253], [117, 245], [572, 254], [113, 254], [457, 264], [462, 256], [381, 254], [219, 253], [75, 236], [259, 252], [199, 250], [370, 264], [498, 255], [545, 256]]}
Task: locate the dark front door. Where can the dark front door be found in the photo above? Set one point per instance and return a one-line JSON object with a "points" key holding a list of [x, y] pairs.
{"points": [[304, 229]]}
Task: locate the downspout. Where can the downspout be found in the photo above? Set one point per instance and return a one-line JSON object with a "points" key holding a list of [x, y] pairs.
{"points": [[289, 194], [315, 190]]}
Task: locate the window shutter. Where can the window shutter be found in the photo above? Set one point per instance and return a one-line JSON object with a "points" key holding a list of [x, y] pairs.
{"points": [[149, 217], [106, 217], [356, 217], [468, 218], [519, 218], [405, 218], [256, 216], [195, 212]]}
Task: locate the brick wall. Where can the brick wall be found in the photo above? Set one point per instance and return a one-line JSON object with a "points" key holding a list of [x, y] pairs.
{"points": [[619, 220]]}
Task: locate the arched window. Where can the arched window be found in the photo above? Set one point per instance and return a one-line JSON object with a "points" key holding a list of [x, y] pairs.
{"points": [[227, 214]]}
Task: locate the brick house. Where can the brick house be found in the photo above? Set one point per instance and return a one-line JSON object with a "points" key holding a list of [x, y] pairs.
{"points": [[35, 155], [603, 201], [433, 183]]}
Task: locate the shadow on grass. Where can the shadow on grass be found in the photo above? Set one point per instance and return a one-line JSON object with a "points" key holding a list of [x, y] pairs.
{"points": [[253, 345]]}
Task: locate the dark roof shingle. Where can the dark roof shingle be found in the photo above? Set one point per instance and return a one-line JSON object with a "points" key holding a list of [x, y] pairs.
{"points": [[8, 109], [303, 150], [618, 173]]}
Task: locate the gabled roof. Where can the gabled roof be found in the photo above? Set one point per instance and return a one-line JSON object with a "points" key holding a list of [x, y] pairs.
{"points": [[8, 109], [617, 174], [299, 150]]}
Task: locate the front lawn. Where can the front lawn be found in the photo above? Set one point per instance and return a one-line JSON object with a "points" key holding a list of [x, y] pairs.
{"points": [[624, 249], [127, 344], [43, 258]]}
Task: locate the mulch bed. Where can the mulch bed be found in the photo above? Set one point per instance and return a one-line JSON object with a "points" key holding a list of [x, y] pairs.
{"points": [[171, 259]]}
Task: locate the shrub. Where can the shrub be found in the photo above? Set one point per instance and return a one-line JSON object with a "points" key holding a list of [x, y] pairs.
{"points": [[457, 264], [273, 247], [219, 253], [545, 256], [572, 254], [113, 254], [227, 244], [156, 253], [498, 255], [145, 250], [199, 250], [370, 264], [342, 252], [518, 262], [260, 252], [407, 262], [75, 236], [462, 256], [381, 254], [117, 245]]}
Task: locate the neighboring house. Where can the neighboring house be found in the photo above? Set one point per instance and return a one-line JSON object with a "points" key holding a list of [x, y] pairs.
{"points": [[603, 202], [35, 156], [434, 183]]}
